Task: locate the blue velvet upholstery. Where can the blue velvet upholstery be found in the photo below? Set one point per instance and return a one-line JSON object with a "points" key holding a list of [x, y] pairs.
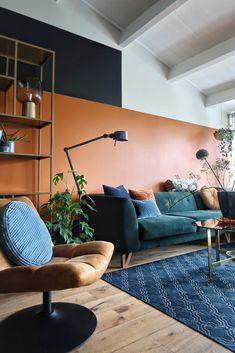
{"points": [[198, 215], [165, 226], [175, 201], [24, 237], [146, 208]]}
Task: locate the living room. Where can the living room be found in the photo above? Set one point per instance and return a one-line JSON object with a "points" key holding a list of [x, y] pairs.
{"points": [[144, 67]]}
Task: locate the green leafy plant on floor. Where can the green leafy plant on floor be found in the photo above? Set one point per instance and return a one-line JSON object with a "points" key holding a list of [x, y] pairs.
{"points": [[64, 214]]}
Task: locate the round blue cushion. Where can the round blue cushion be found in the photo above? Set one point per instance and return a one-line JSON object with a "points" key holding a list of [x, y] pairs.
{"points": [[24, 237]]}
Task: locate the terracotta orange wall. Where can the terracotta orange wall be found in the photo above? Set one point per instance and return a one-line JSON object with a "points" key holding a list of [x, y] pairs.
{"points": [[158, 148]]}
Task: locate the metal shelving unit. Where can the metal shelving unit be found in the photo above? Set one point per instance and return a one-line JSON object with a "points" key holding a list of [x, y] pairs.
{"points": [[13, 52]]}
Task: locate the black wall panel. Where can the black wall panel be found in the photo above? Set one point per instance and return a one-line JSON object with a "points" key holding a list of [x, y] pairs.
{"points": [[84, 68]]}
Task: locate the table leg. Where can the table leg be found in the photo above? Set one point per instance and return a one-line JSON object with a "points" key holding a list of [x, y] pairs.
{"points": [[217, 239], [209, 254]]}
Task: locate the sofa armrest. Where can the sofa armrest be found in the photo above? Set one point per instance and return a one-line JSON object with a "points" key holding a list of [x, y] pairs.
{"points": [[115, 220]]}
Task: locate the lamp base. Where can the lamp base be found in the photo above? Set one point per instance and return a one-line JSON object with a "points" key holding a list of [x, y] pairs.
{"points": [[29, 109], [32, 331]]}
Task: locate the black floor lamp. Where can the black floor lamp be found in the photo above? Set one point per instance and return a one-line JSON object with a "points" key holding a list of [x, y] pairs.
{"points": [[116, 136]]}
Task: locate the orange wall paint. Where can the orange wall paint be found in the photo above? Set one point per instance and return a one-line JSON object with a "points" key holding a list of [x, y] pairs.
{"points": [[158, 148]]}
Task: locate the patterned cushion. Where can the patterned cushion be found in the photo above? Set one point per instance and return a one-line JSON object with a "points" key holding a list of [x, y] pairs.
{"points": [[146, 208], [118, 191], [24, 237]]}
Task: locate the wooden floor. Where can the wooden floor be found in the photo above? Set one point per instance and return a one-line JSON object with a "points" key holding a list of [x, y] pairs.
{"points": [[125, 324]]}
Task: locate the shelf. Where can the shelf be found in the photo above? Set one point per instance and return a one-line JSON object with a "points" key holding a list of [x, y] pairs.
{"points": [[27, 53], [22, 120], [5, 82], [8, 193], [10, 155]]}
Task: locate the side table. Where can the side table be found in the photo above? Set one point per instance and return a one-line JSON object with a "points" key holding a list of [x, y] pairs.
{"points": [[218, 225]]}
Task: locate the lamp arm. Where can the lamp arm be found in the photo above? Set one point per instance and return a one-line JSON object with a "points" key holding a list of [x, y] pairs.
{"points": [[73, 173], [86, 142], [66, 150]]}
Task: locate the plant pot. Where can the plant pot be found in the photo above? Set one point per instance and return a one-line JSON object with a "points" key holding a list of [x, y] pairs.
{"points": [[227, 203], [217, 136], [7, 146]]}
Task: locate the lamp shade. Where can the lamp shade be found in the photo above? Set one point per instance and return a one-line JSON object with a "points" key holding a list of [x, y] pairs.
{"points": [[119, 135]]}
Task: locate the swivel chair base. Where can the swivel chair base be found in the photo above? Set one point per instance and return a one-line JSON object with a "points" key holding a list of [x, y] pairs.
{"points": [[51, 328]]}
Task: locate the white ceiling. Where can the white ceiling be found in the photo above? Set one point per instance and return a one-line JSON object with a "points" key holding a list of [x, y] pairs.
{"points": [[181, 33]]}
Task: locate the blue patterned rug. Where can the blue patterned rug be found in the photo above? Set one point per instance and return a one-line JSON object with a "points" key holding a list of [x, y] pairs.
{"points": [[179, 287]]}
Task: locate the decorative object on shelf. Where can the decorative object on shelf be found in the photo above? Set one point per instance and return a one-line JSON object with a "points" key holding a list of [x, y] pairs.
{"points": [[116, 136], [65, 217], [7, 142], [29, 93], [226, 137]]}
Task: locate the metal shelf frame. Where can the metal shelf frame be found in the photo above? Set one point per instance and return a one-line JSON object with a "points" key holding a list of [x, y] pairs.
{"points": [[15, 51]]}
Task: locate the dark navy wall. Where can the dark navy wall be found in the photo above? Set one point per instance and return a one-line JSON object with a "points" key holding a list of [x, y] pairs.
{"points": [[84, 68]]}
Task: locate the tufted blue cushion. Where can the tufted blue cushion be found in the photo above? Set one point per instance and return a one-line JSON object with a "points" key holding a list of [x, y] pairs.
{"points": [[118, 191], [24, 237], [146, 208]]}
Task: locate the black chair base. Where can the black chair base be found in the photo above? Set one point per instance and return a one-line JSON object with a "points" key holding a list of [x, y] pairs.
{"points": [[34, 331]]}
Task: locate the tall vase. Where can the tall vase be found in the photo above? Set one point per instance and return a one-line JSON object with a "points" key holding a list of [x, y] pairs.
{"points": [[29, 93], [227, 203]]}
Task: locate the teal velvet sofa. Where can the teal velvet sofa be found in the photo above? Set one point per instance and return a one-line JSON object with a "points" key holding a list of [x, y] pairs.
{"points": [[116, 221]]}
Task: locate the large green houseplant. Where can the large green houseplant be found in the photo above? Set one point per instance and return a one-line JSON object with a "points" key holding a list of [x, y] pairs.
{"points": [[64, 213]]}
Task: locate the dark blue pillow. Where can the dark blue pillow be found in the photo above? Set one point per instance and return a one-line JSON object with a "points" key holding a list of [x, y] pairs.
{"points": [[24, 237], [146, 208], [118, 191]]}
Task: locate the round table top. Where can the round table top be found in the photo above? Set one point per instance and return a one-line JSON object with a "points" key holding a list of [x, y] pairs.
{"points": [[217, 223]]}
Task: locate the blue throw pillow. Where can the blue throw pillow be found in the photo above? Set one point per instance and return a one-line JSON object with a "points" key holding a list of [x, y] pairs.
{"points": [[118, 191], [146, 208], [24, 237]]}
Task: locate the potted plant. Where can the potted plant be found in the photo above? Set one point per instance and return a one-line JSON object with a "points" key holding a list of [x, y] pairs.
{"points": [[7, 142], [64, 213], [226, 137]]}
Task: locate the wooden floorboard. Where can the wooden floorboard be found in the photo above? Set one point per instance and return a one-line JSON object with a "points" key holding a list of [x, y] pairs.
{"points": [[125, 324]]}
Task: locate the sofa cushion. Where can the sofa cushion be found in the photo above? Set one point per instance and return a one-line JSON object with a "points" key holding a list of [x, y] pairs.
{"points": [[210, 198], [175, 201], [118, 191], [146, 208], [198, 215], [24, 237], [165, 226], [142, 194]]}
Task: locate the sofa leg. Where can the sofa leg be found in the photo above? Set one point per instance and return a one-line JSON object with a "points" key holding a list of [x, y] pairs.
{"points": [[125, 259]]}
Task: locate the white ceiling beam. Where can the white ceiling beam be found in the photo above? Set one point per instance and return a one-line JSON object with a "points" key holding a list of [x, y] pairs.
{"points": [[211, 56], [220, 97], [148, 19]]}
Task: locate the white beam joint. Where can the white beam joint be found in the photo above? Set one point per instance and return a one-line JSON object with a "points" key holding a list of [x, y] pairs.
{"points": [[148, 19], [220, 97], [211, 56]]}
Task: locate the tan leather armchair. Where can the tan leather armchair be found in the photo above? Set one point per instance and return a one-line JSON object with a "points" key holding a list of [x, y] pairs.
{"points": [[58, 327]]}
